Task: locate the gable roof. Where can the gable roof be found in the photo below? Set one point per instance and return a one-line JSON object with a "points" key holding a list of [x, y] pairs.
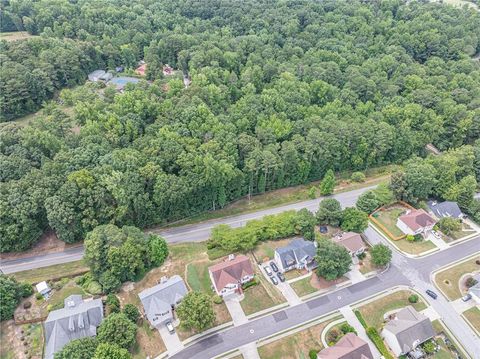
{"points": [[232, 271], [417, 219], [295, 251], [78, 319], [350, 240], [410, 326], [445, 209], [475, 290], [348, 347], [160, 298]]}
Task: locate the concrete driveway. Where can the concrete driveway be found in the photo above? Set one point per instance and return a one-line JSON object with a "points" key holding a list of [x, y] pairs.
{"points": [[235, 310], [172, 341], [285, 288]]}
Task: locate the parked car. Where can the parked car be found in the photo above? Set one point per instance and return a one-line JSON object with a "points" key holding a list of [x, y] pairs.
{"points": [[274, 266], [274, 280], [436, 234], [281, 277], [268, 271], [431, 293], [170, 327], [323, 229], [467, 297]]}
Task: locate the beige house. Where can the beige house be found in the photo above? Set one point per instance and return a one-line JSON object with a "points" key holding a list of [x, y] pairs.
{"points": [[348, 347], [415, 221]]}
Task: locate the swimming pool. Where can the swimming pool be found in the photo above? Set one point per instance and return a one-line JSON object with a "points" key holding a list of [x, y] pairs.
{"points": [[124, 80]]}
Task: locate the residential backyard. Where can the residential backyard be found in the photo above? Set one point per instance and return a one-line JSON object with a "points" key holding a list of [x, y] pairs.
{"points": [[264, 251], [295, 346], [388, 218], [448, 279], [373, 312], [473, 316]]}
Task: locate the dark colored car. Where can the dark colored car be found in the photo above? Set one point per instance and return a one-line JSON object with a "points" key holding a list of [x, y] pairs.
{"points": [[274, 266], [274, 280], [323, 229], [281, 276], [432, 294]]}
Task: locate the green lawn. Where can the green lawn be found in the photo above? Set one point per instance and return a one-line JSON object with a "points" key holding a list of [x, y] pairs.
{"points": [[53, 272], [198, 277], [266, 249], [303, 287], [473, 316], [414, 247], [56, 301], [256, 299], [388, 218], [373, 312], [447, 280], [444, 353], [15, 35], [295, 346]]}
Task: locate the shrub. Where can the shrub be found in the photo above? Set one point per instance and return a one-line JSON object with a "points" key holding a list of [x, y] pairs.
{"points": [[94, 287], [429, 347], [410, 238], [471, 282], [360, 318], [347, 328], [252, 283], [312, 354], [38, 296], [418, 238], [334, 335], [378, 341], [312, 193], [26, 290], [117, 329], [131, 312], [113, 304], [358, 177], [27, 305], [413, 298], [361, 255], [217, 299]]}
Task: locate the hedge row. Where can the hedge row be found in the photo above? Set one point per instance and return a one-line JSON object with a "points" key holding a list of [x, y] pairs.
{"points": [[378, 341]]}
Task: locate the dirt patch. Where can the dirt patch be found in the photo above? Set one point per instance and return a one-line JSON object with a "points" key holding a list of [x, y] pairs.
{"points": [[21, 341], [48, 243], [321, 283]]}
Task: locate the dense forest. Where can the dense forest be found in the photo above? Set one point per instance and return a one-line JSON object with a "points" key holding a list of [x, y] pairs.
{"points": [[281, 92]]}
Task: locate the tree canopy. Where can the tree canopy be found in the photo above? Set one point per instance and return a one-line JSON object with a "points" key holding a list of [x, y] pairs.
{"points": [[280, 93], [333, 260], [196, 311]]}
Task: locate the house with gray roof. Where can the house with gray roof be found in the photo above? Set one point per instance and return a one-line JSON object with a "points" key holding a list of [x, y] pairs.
{"points": [[78, 319], [445, 209], [160, 301], [474, 291], [407, 331], [96, 75], [298, 254]]}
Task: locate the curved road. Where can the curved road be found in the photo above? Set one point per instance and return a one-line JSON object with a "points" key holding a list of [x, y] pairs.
{"points": [[189, 233], [403, 271]]}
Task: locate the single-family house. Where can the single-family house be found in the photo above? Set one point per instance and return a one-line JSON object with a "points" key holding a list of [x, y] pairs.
{"points": [[167, 70], [43, 288], [96, 75], [407, 331], [350, 346], [160, 301], [141, 70], [229, 276], [107, 76], [445, 209], [78, 319], [351, 241], [474, 291], [298, 254], [416, 221]]}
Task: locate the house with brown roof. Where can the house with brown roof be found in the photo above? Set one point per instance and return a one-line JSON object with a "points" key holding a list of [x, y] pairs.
{"points": [[416, 221], [351, 241], [141, 70], [407, 331], [349, 346], [229, 276]]}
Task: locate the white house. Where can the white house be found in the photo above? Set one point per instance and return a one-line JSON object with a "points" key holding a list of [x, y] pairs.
{"points": [[298, 254], [229, 276], [415, 221]]}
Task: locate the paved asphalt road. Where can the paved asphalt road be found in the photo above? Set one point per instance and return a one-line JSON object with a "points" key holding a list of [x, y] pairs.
{"points": [[293, 316], [188, 233]]}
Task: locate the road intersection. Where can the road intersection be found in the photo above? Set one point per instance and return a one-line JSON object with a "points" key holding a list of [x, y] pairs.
{"points": [[411, 272]]}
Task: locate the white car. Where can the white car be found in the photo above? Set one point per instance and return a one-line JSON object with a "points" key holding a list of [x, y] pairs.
{"points": [[170, 327], [268, 270], [436, 234]]}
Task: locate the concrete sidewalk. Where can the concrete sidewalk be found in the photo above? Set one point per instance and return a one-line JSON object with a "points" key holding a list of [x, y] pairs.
{"points": [[352, 319], [250, 351]]}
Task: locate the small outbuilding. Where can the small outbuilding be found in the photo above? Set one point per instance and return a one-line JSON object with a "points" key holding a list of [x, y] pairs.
{"points": [[96, 75], [43, 288]]}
